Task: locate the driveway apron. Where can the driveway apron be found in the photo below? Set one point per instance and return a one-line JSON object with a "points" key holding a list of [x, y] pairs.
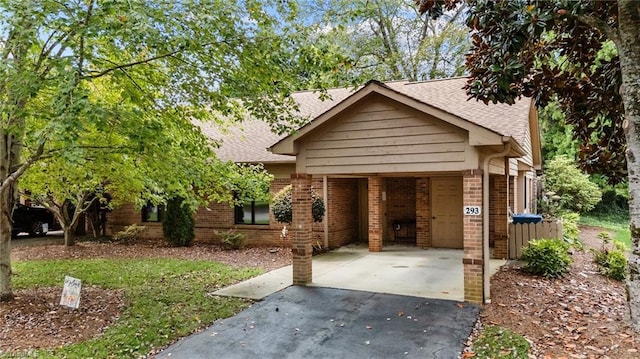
{"points": [[314, 322]]}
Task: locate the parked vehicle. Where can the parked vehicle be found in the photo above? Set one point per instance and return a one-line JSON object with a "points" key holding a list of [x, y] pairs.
{"points": [[36, 221]]}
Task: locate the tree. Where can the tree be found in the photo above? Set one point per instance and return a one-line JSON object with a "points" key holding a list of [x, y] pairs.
{"points": [[168, 62], [562, 48], [388, 39], [575, 191], [178, 226]]}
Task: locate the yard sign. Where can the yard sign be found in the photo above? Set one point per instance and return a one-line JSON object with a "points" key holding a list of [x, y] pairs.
{"points": [[71, 292]]}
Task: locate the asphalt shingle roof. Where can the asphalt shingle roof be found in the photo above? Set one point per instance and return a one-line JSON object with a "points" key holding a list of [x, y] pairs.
{"points": [[249, 141]]}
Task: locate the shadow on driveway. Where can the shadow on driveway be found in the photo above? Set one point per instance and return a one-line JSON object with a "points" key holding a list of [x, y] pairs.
{"points": [[314, 322]]}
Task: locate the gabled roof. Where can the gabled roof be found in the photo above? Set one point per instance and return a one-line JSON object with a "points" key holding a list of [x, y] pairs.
{"points": [[445, 96]]}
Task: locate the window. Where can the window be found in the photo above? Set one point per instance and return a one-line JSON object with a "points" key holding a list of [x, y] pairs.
{"points": [[252, 212], [152, 213]]}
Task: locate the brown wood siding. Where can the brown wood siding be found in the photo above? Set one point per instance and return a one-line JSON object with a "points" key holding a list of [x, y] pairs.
{"points": [[386, 137]]}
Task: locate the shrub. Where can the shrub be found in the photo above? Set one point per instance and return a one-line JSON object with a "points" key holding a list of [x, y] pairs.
{"points": [[570, 230], [547, 257], [233, 238], [576, 192], [129, 234], [178, 224], [610, 259], [282, 206]]}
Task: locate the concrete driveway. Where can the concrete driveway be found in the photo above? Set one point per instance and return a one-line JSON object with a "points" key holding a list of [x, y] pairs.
{"points": [[314, 322]]}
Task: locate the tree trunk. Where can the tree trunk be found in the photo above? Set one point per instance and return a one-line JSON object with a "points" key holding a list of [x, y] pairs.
{"points": [[6, 204], [69, 239], [629, 52]]}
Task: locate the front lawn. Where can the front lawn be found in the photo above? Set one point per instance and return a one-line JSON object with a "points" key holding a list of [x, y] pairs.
{"points": [[618, 224], [165, 299]]}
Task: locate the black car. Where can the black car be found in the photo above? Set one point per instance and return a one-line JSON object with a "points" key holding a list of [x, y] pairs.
{"points": [[36, 221]]}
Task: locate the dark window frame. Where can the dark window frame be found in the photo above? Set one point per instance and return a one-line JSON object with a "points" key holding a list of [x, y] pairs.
{"points": [[239, 209], [146, 211]]}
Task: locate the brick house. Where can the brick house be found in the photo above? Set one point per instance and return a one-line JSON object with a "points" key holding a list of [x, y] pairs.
{"points": [[400, 161]]}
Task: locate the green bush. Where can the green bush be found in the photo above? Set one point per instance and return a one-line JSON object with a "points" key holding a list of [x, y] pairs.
{"points": [[282, 206], [233, 238], [547, 257], [575, 191], [570, 230], [178, 224], [129, 234], [610, 259]]}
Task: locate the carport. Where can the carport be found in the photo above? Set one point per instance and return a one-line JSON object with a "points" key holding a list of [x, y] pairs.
{"points": [[428, 135], [399, 269]]}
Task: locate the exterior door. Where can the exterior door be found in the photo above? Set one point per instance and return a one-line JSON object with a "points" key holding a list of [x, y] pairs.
{"points": [[446, 212]]}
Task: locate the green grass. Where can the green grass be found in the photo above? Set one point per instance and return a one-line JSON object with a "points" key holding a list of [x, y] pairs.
{"points": [[498, 342], [165, 299], [618, 224]]}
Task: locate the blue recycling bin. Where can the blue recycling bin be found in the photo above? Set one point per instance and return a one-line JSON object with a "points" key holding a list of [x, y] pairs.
{"points": [[526, 218]]}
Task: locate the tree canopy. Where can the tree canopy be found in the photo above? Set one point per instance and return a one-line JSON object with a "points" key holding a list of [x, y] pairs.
{"points": [[131, 75], [388, 40], [587, 54]]}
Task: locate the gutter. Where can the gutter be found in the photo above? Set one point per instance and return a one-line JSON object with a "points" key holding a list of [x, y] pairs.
{"points": [[506, 141]]}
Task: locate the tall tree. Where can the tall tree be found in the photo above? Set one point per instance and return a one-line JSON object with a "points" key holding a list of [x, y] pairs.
{"points": [[389, 40], [541, 48], [169, 61]]}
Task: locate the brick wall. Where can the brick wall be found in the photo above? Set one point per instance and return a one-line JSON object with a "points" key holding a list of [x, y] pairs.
{"points": [[500, 216], [423, 213], [401, 204], [473, 259], [343, 211], [343, 221], [375, 214]]}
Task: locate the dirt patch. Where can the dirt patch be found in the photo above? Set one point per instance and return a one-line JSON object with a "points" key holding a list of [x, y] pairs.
{"points": [[35, 320], [579, 316]]}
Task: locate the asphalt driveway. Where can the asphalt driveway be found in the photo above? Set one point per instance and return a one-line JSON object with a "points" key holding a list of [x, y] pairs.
{"points": [[314, 322]]}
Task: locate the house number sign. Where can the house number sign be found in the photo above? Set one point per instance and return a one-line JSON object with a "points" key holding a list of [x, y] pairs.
{"points": [[472, 210]]}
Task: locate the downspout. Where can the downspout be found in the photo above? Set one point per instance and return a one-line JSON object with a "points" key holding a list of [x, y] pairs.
{"points": [[485, 217], [325, 223]]}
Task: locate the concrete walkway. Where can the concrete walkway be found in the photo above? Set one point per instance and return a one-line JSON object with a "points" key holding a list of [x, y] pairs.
{"points": [[312, 322], [398, 269]]}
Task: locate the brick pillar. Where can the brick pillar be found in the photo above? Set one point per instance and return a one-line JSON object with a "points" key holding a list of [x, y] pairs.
{"points": [[375, 214], [501, 217], [473, 259], [423, 212], [301, 228]]}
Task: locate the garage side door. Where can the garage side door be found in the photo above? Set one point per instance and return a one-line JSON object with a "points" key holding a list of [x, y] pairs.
{"points": [[446, 212]]}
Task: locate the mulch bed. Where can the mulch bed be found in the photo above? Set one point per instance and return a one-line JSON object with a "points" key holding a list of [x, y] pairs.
{"points": [[579, 316]]}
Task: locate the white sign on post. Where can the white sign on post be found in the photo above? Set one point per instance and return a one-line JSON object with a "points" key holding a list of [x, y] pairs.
{"points": [[71, 292], [472, 210]]}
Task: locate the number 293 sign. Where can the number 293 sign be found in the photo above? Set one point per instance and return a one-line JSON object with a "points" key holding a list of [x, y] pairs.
{"points": [[472, 210]]}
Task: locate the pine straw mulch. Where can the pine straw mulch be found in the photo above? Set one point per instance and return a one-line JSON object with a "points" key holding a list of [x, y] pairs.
{"points": [[35, 320], [579, 316]]}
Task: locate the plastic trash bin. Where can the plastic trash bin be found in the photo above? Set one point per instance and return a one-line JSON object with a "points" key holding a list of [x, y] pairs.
{"points": [[526, 218]]}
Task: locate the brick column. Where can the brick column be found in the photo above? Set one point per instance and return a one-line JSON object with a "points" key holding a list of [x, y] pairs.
{"points": [[501, 217], [375, 214], [472, 260], [423, 212], [301, 228]]}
